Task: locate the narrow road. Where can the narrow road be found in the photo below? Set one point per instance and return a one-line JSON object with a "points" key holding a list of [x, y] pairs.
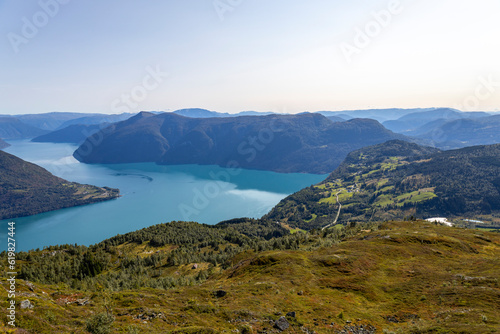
{"points": [[338, 212]]}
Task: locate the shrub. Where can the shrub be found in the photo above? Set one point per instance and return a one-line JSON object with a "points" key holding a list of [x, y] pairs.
{"points": [[100, 323]]}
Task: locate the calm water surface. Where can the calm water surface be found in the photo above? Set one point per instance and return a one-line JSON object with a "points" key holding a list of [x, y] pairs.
{"points": [[151, 194]]}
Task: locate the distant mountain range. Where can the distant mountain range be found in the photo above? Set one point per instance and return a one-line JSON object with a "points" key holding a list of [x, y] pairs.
{"points": [[58, 120], [27, 189], [204, 113], [95, 119], [398, 179], [74, 134], [13, 128], [305, 143], [462, 132], [414, 122], [380, 115], [34, 125]]}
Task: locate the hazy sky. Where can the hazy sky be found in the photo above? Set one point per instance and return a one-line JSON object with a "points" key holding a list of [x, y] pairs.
{"points": [[112, 56]]}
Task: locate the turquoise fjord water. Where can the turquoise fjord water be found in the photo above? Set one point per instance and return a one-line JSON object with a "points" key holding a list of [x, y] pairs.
{"points": [[151, 194]]}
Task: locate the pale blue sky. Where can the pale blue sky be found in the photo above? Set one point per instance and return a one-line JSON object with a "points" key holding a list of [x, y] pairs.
{"points": [[263, 55]]}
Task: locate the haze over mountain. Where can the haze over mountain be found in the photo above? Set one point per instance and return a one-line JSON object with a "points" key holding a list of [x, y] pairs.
{"points": [[204, 113], [462, 132], [308, 143], [95, 119], [27, 189], [13, 128], [380, 115], [411, 122], [397, 179], [50, 121], [75, 134]]}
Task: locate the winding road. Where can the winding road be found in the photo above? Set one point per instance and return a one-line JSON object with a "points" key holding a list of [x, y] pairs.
{"points": [[338, 212]]}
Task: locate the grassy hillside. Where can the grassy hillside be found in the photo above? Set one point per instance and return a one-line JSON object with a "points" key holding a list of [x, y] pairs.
{"points": [[396, 180], [308, 143], [394, 277], [27, 189]]}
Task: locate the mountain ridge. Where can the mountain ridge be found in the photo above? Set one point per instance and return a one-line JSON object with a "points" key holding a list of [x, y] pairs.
{"points": [[308, 142]]}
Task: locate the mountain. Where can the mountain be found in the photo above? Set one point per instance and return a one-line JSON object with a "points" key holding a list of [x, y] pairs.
{"points": [[199, 113], [35, 125], [397, 179], [13, 128], [3, 144], [464, 132], [249, 277], [204, 113], [380, 115], [95, 119], [414, 121], [75, 134], [335, 119], [306, 143], [49, 121], [27, 189]]}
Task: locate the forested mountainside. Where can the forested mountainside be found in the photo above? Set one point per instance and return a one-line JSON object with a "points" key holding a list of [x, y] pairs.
{"points": [[27, 189], [397, 179], [308, 143]]}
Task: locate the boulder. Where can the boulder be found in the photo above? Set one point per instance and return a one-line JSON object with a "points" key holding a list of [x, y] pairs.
{"points": [[26, 304], [282, 324]]}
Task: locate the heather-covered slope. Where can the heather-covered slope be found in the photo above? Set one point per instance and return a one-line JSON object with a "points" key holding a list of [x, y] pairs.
{"points": [[395, 277]]}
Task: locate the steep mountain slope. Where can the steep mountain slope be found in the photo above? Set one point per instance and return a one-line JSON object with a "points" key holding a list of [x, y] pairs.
{"points": [[12, 128], [285, 143], [395, 277], [3, 144], [71, 134], [398, 179], [27, 189]]}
